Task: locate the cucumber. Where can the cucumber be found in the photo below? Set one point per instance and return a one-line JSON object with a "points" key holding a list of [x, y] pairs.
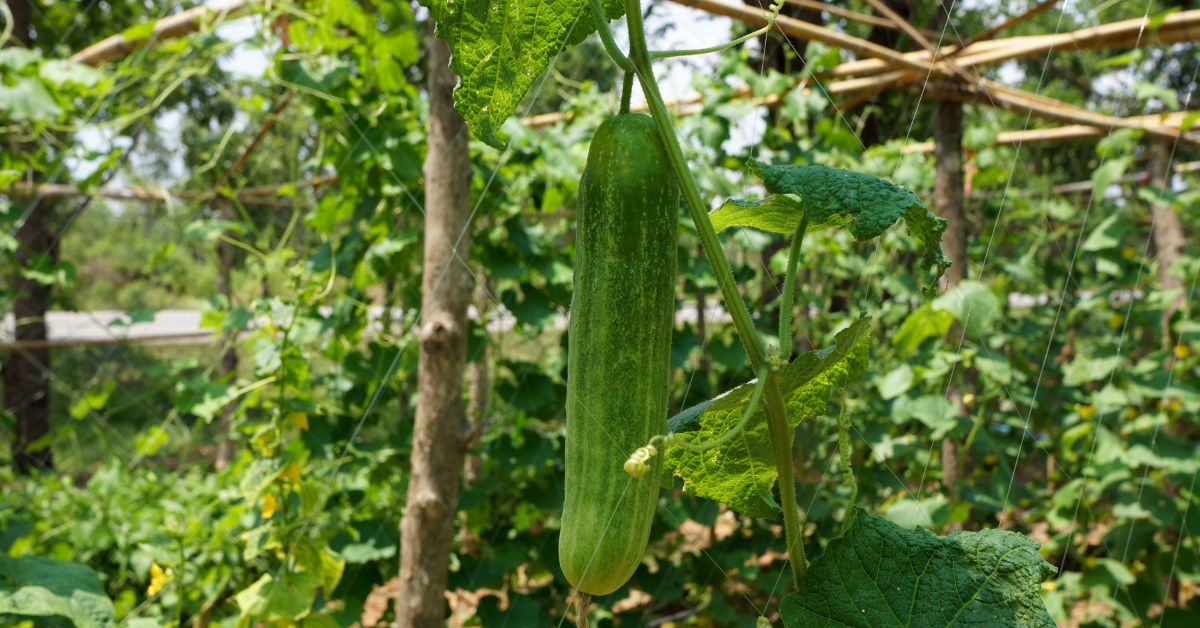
{"points": [[619, 351]]}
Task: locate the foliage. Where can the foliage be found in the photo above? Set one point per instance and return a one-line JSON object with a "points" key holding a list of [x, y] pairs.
{"points": [[879, 574], [501, 47], [1073, 416], [33, 586], [741, 473]]}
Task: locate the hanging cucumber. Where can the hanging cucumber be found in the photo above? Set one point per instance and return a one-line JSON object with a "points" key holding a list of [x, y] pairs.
{"points": [[619, 349]]}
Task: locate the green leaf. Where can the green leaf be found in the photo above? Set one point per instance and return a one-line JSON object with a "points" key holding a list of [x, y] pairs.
{"points": [[139, 32], [924, 323], [741, 473], [64, 72], [150, 441], [972, 304], [934, 411], [1107, 235], [896, 382], [278, 600], [500, 47], [1089, 368], [28, 99], [832, 197], [17, 58], [880, 575], [34, 586], [93, 400], [777, 213], [1107, 174]]}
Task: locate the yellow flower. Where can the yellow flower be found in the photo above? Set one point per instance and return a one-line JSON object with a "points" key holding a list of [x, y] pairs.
{"points": [[265, 443], [1129, 252], [269, 505], [299, 419], [1181, 351], [1087, 412], [990, 459], [291, 473], [1132, 412], [969, 399], [1115, 321], [159, 578], [1049, 586]]}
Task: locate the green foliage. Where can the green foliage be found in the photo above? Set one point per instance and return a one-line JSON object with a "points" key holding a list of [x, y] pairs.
{"points": [[879, 574], [832, 197], [1076, 415], [35, 586], [500, 47], [741, 472]]}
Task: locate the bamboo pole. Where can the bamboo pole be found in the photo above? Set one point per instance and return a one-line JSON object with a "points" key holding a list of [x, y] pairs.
{"points": [[180, 338], [1140, 178], [1177, 27], [1012, 22], [266, 195], [800, 29], [853, 16], [1019, 100], [178, 25], [918, 37]]}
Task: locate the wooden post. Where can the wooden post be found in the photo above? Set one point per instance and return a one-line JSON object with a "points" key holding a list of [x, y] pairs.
{"points": [[1168, 235], [948, 203], [427, 527], [227, 369], [27, 371]]}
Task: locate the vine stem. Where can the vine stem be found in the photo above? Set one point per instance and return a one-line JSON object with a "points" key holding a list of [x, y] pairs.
{"points": [[781, 435], [789, 289], [626, 91]]}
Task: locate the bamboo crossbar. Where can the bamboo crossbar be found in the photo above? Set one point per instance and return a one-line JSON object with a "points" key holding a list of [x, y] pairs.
{"points": [[1066, 132], [853, 16], [1178, 27], [170, 27], [266, 195], [180, 338], [1137, 177]]}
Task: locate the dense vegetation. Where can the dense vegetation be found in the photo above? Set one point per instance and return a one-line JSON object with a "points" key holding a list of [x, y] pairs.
{"points": [[261, 477]]}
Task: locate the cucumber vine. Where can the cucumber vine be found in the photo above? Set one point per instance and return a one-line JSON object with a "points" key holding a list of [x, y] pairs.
{"points": [[639, 62]]}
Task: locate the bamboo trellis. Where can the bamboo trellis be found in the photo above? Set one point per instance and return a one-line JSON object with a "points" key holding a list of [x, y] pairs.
{"points": [[878, 68], [885, 68]]}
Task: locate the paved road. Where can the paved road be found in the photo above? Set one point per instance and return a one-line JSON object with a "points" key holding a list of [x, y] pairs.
{"points": [[107, 327]]}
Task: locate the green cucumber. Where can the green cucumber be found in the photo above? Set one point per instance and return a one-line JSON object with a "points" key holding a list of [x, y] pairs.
{"points": [[619, 351]]}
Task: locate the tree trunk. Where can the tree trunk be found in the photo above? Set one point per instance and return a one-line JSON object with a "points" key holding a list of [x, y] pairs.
{"points": [[479, 376], [1168, 236], [948, 203], [428, 523], [27, 371], [227, 371]]}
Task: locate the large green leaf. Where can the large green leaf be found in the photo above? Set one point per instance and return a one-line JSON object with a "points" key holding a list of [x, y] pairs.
{"points": [[33, 586], [973, 305], [741, 472], [27, 99], [500, 47], [832, 197], [880, 575]]}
